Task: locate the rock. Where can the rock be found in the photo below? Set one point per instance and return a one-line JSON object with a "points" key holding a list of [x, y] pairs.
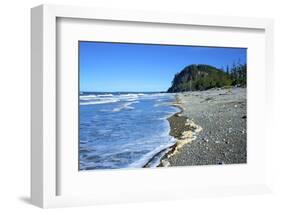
{"points": [[206, 140], [165, 163]]}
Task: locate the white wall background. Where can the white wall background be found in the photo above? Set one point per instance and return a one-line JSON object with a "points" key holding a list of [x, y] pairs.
{"points": [[15, 98]]}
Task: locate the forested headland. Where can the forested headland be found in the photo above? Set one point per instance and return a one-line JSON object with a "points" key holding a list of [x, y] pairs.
{"points": [[202, 77]]}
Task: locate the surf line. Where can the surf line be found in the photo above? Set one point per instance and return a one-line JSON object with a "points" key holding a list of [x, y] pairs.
{"points": [[182, 129]]}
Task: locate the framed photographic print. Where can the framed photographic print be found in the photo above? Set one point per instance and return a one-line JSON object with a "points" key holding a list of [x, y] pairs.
{"points": [[130, 106]]}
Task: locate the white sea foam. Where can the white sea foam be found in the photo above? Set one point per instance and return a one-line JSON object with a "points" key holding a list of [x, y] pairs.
{"points": [[105, 101], [130, 95], [87, 97], [145, 159], [125, 106], [109, 98], [130, 99], [155, 162], [105, 95]]}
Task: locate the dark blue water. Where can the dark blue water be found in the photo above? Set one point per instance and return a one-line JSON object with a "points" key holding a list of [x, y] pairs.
{"points": [[124, 130]]}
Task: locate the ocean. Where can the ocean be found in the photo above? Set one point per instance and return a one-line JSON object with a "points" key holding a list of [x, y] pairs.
{"points": [[124, 130]]}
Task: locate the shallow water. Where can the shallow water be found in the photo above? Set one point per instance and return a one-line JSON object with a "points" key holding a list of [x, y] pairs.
{"points": [[123, 130]]}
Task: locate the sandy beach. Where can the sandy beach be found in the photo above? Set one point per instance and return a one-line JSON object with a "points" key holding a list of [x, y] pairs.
{"points": [[210, 129]]}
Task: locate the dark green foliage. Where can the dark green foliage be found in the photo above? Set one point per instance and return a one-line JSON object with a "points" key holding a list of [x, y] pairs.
{"points": [[203, 77], [239, 74]]}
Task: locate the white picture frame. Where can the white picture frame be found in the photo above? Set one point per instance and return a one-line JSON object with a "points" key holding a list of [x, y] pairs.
{"points": [[45, 168]]}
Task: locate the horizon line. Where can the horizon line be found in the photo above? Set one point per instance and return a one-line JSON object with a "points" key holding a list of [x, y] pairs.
{"points": [[123, 91]]}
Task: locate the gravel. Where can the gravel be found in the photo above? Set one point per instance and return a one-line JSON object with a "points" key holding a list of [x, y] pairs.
{"points": [[223, 139]]}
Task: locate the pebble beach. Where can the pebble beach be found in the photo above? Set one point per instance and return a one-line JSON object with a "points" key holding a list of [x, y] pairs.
{"points": [[211, 128]]}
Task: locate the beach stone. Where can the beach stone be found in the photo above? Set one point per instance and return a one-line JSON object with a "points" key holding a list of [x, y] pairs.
{"points": [[223, 123], [221, 162], [165, 163]]}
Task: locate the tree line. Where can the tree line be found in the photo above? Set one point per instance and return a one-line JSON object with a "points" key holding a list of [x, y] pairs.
{"points": [[203, 77]]}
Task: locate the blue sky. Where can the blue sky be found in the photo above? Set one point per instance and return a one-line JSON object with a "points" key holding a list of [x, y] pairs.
{"points": [[112, 67]]}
